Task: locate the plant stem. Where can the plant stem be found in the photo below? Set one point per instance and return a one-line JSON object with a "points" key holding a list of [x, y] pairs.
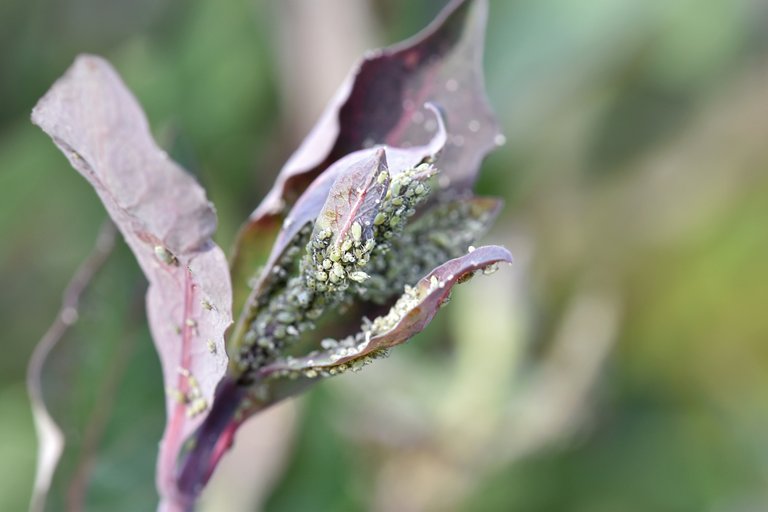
{"points": [[211, 440]]}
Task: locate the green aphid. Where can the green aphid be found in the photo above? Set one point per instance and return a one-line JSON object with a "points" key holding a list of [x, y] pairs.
{"points": [[285, 317], [358, 276], [165, 255], [357, 231]]}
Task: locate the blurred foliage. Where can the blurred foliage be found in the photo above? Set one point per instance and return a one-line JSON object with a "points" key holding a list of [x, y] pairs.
{"points": [[636, 162]]}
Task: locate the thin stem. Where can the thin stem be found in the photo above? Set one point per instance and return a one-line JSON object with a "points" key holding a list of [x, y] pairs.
{"points": [[49, 435]]}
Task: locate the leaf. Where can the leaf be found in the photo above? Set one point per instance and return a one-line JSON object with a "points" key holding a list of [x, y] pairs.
{"points": [[259, 232], [381, 103], [167, 222], [409, 316], [354, 198], [445, 230]]}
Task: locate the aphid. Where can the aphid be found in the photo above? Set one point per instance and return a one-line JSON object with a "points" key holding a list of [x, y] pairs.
{"points": [[176, 395], [285, 317], [356, 230], [303, 298], [165, 255], [250, 337], [358, 276], [329, 343], [211, 346], [196, 406]]}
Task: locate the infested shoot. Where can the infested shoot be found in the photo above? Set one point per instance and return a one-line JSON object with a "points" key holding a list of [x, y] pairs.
{"points": [[333, 269]]}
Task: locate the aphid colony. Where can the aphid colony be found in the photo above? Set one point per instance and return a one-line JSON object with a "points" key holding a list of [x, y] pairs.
{"points": [[332, 271], [443, 232]]}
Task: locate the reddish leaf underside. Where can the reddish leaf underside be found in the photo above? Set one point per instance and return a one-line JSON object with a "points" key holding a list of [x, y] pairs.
{"points": [[382, 102], [167, 222]]}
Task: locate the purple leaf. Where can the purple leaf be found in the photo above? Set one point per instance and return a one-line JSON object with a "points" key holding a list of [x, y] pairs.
{"points": [[309, 205], [381, 103], [166, 220], [354, 198], [409, 316]]}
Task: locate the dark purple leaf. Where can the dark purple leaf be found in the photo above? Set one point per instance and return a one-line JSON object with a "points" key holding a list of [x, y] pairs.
{"points": [[166, 220], [381, 102], [309, 206]]}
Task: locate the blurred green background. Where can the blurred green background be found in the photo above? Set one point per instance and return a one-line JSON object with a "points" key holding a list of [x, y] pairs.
{"points": [[620, 365]]}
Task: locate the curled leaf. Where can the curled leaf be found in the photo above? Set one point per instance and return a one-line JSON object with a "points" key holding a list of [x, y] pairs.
{"points": [[166, 220], [309, 205], [381, 103], [385, 100], [407, 317], [440, 233], [353, 200]]}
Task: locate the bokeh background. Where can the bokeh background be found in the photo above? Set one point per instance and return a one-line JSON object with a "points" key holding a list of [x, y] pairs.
{"points": [[620, 365]]}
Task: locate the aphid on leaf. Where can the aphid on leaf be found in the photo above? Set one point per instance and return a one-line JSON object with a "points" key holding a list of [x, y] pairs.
{"points": [[165, 255]]}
